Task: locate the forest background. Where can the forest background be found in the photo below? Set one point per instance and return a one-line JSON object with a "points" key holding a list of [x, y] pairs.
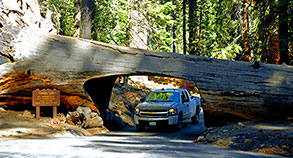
{"points": [[247, 30]]}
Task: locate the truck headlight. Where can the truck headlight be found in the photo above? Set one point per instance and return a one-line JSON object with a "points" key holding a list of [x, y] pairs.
{"points": [[136, 111], [172, 111]]}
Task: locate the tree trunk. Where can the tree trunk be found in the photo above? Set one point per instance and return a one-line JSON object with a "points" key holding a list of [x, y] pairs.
{"points": [[77, 17], [87, 11], [184, 26], [82, 68], [283, 31], [199, 28], [192, 26], [246, 47], [174, 26]]}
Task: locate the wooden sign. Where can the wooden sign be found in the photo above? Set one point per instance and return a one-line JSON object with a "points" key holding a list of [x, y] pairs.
{"points": [[46, 97]]}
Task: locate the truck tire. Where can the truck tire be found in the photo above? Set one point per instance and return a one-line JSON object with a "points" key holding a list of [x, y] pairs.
{"points": [[139, 128], [180, 123], [195, 118]]}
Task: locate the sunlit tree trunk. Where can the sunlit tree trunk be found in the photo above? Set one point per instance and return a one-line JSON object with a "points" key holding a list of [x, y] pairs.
{"points": [[87, 11], [246, 47], [77, 16]]}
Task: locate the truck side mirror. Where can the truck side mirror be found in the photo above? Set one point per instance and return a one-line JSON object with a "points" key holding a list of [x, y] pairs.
{"points": [[142, 99]]}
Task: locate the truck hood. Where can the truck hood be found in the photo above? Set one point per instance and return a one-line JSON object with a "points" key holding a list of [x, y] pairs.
{"points": [[156, 105]]}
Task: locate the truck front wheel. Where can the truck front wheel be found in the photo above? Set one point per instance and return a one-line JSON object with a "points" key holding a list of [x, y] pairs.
{"points": [[179, 123]]}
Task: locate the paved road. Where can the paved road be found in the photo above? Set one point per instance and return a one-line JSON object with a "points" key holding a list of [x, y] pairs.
{"points": [[153, 143]]}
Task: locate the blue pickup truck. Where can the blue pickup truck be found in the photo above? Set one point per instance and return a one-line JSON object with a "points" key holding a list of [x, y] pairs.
{"points": [[167, 107]]}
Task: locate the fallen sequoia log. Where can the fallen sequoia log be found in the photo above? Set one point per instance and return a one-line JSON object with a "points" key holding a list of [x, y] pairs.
{"points": [[84, 71]]}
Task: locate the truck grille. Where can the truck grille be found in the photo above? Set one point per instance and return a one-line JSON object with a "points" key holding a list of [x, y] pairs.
{"points": [[153, 114]]}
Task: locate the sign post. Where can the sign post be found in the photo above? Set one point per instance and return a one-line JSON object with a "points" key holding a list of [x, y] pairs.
{"points": [[46, 97]]}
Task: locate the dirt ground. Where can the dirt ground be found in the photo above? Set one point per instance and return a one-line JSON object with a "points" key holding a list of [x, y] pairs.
{"points": [[23, 124], [262, 137]]}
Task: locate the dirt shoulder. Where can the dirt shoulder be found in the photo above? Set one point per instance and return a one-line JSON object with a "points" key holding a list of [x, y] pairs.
{"points": [[23, 124], [260, 137]]}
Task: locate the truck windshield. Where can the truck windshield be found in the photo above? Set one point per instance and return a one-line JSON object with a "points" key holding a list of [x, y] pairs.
{"points": [[163, 97]]}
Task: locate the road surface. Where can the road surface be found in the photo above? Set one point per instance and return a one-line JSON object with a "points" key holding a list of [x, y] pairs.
{"points": [[153, 143]]}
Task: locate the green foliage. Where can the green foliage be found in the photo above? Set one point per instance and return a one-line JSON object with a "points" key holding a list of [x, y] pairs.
{"points": [[161, 21], [219, 24], [63, 16], [111, 23], [221, 29]]}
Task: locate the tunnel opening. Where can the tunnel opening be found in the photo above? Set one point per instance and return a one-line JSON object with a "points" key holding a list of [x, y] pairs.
{"points": [[117, 96], [99, 89]]}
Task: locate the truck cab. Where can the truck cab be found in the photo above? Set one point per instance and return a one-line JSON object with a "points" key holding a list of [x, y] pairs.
{"points": [[167, 107]]}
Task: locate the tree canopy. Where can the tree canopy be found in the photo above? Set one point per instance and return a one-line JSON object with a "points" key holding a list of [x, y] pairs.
{"points": [[250, 30]]}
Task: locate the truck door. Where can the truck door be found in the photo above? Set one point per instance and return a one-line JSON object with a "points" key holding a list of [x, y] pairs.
{"points": [[186, 105], [191, 105]]}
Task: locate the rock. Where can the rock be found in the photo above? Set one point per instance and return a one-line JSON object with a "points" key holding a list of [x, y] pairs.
{"points": [[95, 122], [2, 109], [112, 121], [28, 115], [200, 138], [61, 118], [84, 117], [240, 125], [74, 118], [94, 114], [85, 112], [55, 121]]}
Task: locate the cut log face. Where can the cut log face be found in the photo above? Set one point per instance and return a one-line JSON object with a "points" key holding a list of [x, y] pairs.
{"points": [[42, 60]]}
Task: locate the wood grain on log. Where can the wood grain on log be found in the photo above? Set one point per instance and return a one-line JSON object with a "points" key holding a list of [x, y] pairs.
{"points": [[230, 86]]}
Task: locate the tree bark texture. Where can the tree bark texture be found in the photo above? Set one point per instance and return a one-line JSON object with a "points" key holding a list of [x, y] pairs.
{"points": [[77, 17], [82, 68], [246, 47], [192, 25], [184, 26], [283, 31], [174, 16], [87, 11]]}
